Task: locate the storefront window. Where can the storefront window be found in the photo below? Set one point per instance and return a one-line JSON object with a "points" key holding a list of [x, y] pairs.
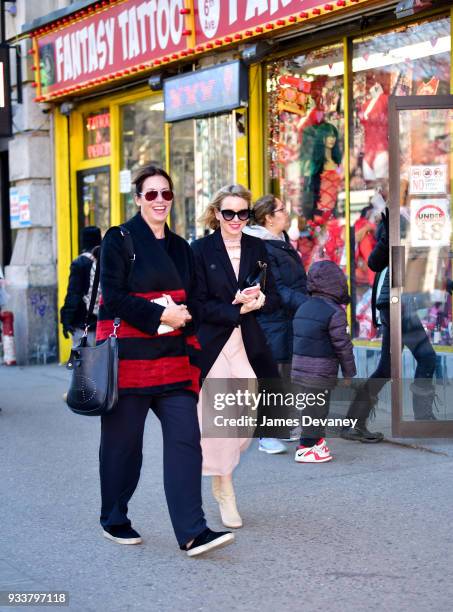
{"points": [[97, 134], [306, 135], [199, 168], [143, 142], [94, 197], [183, 219], [410, 60]]}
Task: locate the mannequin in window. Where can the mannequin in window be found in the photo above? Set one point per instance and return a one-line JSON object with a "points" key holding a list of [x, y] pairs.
{"points": [[325, 182], [374, 118]]}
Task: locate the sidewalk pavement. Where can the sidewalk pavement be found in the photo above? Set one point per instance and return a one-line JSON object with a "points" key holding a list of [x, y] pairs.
{"points": [[369, 531]]}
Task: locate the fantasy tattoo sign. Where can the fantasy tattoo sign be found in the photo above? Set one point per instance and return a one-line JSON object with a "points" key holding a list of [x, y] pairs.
{"points": [[114, 39], [111, 40]]}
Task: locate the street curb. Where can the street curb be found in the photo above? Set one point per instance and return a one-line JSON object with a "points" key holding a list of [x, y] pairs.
{"points": [[415, 446]]}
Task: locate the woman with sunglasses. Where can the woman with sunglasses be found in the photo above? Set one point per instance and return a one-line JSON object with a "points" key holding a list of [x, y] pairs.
{"points": [[271, 222], [147, 278], [233, 344]]}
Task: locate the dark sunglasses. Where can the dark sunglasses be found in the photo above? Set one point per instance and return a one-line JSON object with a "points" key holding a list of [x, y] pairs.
{"points": [[151, 195], [242, 215]]}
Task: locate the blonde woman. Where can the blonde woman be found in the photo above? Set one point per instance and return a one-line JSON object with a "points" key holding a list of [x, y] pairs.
{"points": [[233, 344]]}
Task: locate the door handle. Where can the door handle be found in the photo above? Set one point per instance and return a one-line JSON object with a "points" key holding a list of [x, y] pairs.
{"points": [[398, 266]]}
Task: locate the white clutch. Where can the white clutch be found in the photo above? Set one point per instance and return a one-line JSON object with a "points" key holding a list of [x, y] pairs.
{"points": [[163, 329]]}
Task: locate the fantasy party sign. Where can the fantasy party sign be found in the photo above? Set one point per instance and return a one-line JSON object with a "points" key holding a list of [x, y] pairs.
{"points": [[216, 18], [116, 38]]}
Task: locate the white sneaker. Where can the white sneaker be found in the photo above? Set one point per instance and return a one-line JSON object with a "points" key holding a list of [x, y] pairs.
{"points": [[319, 453], [271, 446], [322, 447]]}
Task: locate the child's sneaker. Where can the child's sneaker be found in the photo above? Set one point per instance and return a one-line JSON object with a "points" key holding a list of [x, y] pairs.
{"points": [[319, 453], [322, 445]]}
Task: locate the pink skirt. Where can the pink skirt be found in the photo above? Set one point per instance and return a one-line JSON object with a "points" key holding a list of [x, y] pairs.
{"points": [[222, 455]]}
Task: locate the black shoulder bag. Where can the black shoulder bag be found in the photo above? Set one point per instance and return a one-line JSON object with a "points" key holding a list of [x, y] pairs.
{"points": [[94, 384]]}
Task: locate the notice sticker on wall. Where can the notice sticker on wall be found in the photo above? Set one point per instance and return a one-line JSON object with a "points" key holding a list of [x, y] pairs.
{"points": [[430, 223], [125, 181], [14, 212], [428, 180]]}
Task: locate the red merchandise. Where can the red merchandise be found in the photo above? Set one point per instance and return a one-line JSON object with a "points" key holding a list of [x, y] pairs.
{"points": [[363, 248], [329, 188], [374, 118]]}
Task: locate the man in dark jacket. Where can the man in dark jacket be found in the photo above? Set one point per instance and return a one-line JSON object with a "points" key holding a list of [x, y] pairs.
{"points": [[74, 309], [413, 336]]}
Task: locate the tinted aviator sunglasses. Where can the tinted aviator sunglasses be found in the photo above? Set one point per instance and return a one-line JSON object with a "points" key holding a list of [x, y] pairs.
{"points": [[151, 194], [242, 215]]}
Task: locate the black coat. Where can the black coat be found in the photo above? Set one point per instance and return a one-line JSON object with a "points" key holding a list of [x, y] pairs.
{"points": [[291, 280], [378, 261], [216, 286], [149, 363], [74, 309]]}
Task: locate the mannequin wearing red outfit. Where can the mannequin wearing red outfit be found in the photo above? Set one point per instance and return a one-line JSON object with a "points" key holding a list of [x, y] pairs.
{"points": [[328, 240], [374, 118]]}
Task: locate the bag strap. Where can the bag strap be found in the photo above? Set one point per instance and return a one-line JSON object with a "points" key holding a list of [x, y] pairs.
{"points": [[125, 233], [129, 244], [94, 293]]}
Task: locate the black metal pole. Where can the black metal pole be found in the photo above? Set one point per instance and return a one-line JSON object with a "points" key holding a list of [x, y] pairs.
{"points": [[2, 21], [17, 51]]}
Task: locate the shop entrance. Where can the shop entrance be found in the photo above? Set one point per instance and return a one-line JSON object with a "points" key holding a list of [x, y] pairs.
{"points": [[421, 164], [93, 198], [205, 154]]}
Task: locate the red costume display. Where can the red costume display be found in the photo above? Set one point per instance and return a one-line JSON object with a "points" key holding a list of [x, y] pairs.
{"points": [[374, 118]]}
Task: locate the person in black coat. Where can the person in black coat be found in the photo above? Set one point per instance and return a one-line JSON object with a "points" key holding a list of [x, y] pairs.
{"points": [[74, 310], [271, 221], [232, 341], [413, 336], [151, 291]]}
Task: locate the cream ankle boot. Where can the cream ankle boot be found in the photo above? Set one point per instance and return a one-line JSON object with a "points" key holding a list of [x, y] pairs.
{"points": [[224, 494]]}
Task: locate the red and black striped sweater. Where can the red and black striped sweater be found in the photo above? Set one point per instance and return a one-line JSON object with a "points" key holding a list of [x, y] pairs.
{"points": [[148, 363]]}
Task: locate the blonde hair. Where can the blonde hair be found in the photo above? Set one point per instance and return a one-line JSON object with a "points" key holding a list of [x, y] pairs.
{"points": [[208, 218]]}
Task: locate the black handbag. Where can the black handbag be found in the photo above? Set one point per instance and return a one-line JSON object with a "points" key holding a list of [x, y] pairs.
{"points": [[94, 384], [257, 276]]}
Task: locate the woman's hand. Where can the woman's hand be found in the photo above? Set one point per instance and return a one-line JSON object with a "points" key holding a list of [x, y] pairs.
{"points": [[175, 315], [254, 304], [246, 295]]}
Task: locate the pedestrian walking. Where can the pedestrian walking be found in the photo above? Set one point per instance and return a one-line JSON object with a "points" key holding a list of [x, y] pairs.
{"points": [[81, 276], [153, 297], [271, 222], [413, 336], [233, 344], [321, 344]]}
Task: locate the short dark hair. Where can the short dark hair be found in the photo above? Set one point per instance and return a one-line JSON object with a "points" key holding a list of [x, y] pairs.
{"points": [[263, 207], [146, 172]]}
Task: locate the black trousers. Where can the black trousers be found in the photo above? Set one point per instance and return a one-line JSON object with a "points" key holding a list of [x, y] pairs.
{"points": [[311, 433], [120, 457], [416, 340]]}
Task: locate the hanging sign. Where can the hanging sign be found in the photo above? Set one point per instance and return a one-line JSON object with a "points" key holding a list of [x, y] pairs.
{"points": [[217, 18], [430, 222], [206, 92], [116, 39], [428, 180]]}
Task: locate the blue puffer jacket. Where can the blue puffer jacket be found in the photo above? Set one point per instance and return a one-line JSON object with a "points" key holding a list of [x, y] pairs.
{"points": [[291, 280], [321, 338]]}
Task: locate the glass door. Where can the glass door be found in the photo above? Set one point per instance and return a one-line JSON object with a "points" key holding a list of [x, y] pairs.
{"points": [[93, 198], [202, 160], [421, 164]]}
